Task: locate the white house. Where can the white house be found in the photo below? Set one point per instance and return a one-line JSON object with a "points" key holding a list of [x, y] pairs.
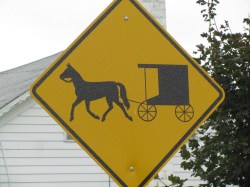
{"points": [[36, 152]]}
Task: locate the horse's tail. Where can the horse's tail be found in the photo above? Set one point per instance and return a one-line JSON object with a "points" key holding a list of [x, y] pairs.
{"points": [[123, 94]]}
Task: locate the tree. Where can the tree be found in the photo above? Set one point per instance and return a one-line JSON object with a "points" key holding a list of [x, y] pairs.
{"points": [[219, 152], [170, 181]]}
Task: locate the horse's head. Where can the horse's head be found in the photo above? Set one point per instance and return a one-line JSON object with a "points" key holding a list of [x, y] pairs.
{"points": [[67, 74]]}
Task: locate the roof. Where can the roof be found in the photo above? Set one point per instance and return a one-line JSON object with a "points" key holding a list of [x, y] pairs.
{"points": [[16, 82]]}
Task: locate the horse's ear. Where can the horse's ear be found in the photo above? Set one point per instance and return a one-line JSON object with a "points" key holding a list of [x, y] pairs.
{"points": [[68, 65]]}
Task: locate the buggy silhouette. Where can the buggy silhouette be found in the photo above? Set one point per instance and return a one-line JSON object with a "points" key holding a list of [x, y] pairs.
{"points": [[173, 90]]}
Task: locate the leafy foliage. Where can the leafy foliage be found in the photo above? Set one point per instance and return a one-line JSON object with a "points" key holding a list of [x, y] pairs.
{"points": [[219, 152], [174, 181]]}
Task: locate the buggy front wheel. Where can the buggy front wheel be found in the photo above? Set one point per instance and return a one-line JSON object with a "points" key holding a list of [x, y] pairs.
{"points": [[184, 113], [146, 112]]}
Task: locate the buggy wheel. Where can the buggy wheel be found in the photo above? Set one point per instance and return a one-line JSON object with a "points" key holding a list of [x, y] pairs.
{"points": [[184, 113], [146, 112]]}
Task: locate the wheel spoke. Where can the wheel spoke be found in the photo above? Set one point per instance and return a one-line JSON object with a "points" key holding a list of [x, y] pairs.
{"points": [[188, 116], [181, 116], [143, 115], [151, 115], [184, 112], [146, 112], [152, 110], [152, 106], [179, 107], [188, 107], [143, 106]]}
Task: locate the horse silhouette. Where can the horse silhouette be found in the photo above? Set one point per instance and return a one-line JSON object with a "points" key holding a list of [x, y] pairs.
{"points": [[90, 91]]}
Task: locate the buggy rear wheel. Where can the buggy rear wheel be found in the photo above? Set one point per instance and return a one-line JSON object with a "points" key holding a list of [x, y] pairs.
{"points": [[146, 112], [184, 113]]}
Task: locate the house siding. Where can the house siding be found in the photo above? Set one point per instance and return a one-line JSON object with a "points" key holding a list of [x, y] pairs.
{"points": [[34, 153]]}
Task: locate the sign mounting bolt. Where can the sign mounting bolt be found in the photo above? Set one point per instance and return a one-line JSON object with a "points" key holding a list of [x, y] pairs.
{"points": [[126, 18], [132, 169]]}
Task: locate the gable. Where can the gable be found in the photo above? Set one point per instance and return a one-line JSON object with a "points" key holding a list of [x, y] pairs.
{"points": [[16, 82]]}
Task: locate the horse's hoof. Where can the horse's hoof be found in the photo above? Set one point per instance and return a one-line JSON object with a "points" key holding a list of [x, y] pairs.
{"points": [[103, 119], [97, 117], [71, 118], [130, 118]]}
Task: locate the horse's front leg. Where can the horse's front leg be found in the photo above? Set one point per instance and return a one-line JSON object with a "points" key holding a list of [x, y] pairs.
{"points": [[77, 101], [89, 111]]}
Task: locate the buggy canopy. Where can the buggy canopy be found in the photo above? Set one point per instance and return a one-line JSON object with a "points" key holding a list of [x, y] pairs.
{"points": [[173, 84]]}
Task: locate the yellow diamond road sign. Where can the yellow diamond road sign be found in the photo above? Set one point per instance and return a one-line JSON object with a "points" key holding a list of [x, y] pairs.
{"points": [[127, 93]]}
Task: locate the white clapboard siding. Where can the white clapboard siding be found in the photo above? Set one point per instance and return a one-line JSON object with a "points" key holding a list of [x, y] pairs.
{"points": [[40, 161], [33, 120], [31, 136], [20, 170], [44, 154], [1, 161], [41, 145], [36, 111], [31, 129], [62, 184], [56, 177], [36, 154]]}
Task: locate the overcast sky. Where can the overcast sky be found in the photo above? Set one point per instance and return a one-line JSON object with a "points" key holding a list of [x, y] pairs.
{"points": [[33, 29]]}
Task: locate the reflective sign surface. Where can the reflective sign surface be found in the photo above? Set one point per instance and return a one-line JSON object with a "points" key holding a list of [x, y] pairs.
{"points": [[127, 93]]}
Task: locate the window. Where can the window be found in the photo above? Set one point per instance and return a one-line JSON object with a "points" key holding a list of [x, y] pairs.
{"points": [[67, 138]]}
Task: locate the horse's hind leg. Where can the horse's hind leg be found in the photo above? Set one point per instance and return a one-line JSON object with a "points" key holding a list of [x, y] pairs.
{"points": [[108, 110], [77, 101], [88, 110], [123, 109]]}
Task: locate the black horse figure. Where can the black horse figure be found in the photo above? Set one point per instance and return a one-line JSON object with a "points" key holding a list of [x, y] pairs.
{"points": [[90, 91]]}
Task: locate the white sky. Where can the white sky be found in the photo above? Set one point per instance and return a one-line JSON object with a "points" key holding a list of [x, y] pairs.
{"points": [[33, 29]]}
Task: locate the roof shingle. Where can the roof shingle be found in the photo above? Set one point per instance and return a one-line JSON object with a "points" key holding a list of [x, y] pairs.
{"points": [[17, 81]]}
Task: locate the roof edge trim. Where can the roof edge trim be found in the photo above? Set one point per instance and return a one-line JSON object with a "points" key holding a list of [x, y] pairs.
{"points": [[21, 98]]}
